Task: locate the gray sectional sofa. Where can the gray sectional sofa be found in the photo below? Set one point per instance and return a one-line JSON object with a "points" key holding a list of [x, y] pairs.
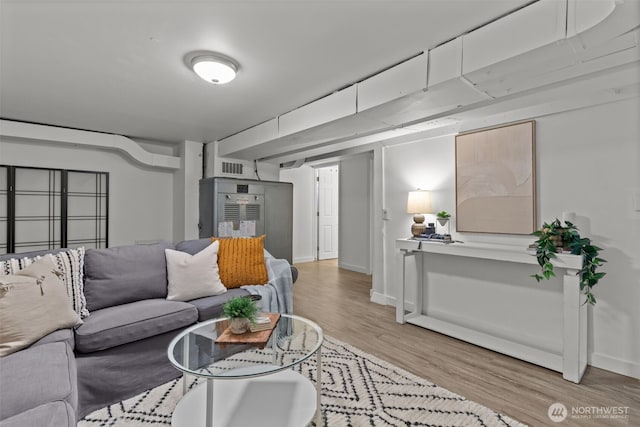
{"points": [[119, 350]]}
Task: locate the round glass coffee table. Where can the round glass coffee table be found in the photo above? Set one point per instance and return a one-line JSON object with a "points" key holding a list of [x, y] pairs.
{"points": [[248, 381]]}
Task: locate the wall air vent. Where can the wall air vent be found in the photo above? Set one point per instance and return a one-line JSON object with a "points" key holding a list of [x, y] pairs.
{"points": [[231, 212], [252, 212], [232, 168]]}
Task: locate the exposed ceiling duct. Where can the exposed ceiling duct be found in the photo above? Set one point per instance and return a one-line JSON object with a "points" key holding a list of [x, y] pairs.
{"points": [[543, 44]]}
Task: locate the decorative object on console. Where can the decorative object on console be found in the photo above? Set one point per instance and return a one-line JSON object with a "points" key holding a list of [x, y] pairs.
{"points": [[418, 204], [554, 237], [495, 180], [443, 218], [241, 311]]}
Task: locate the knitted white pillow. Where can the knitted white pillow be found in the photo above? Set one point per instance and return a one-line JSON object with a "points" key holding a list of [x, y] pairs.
{"points": [[193, 276]]}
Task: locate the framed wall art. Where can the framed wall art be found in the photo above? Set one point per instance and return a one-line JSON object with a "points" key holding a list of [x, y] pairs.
{"points": [[495, 180]]}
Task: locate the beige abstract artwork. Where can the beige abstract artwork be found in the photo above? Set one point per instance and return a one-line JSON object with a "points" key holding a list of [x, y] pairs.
{"points": [[495, 180]]}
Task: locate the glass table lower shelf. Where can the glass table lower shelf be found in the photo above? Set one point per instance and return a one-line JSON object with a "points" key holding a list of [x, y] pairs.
{"points": [[283, 399]]}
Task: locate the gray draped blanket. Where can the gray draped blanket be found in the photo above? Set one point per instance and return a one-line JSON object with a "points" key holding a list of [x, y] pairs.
{"points": [[277, 295]]}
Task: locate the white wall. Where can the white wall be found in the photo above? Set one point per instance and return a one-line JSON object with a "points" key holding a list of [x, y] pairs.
{"points": [[355, 209], [140, 197], [587, 162], [303, 179]]}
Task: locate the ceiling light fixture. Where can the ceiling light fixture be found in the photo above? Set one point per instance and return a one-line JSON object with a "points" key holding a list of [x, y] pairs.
{"points": [[213, 67]]}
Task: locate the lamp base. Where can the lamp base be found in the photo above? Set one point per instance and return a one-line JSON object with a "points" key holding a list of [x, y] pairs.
{"points": [[418, 227]]}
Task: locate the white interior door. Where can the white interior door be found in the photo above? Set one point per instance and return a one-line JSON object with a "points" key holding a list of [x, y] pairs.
{"points": [[327, 179]]}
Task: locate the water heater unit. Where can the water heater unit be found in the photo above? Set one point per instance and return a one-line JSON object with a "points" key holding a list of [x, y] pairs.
{"points": [[232, 207]]}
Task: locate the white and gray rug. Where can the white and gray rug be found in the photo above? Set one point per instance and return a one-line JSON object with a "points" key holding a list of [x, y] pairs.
{"points": [[358, 389]]}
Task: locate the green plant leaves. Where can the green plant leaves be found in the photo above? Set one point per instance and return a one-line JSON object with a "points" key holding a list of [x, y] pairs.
{"points": [[240, 307], [546, 250]]}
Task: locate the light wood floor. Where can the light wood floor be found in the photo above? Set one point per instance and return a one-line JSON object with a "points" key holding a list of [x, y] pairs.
{"points": [[338, 300]]}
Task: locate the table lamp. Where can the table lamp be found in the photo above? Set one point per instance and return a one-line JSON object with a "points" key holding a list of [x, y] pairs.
{"points": [[418, 204]]}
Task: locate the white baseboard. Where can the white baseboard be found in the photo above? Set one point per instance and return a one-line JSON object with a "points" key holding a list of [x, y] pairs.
{"points": [[303, 259], [619, 366], [356, 268], [382, 299]]}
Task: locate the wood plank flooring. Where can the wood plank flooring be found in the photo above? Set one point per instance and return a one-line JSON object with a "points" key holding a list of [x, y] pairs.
{"points": [[338, 300]]}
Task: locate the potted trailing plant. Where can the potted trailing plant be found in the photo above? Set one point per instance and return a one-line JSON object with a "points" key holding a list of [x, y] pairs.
{"points": [[555, 235], [241, 311]]}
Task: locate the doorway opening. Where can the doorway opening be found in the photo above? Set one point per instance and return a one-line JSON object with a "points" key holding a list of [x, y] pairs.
{"points": [[327, 212]]}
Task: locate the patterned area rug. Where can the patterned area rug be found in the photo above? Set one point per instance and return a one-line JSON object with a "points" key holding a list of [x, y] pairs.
{"points": [[358, 389]]}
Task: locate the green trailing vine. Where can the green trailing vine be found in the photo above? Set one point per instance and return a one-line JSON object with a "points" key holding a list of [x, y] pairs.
{"points": [[555, 235]]}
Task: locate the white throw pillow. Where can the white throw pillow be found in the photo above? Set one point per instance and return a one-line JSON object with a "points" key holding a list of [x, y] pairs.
{"points": [[33, 303], [193, 276]]}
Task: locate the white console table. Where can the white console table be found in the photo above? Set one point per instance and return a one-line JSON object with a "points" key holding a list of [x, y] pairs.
{"points": [[573, 360]]}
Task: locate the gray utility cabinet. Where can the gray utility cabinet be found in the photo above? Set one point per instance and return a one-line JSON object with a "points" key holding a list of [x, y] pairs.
{"points": [[265, 205]]}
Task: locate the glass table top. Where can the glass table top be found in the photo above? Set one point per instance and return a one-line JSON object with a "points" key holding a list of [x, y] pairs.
{"points": [[195, 351]]}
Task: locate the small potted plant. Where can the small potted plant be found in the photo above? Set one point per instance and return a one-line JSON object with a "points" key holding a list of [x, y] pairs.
{"points": [[443, 217], [555, 237], [241, 311]]}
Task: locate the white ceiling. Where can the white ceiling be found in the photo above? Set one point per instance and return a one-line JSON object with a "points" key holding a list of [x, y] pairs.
{"points": [[117, 66]]}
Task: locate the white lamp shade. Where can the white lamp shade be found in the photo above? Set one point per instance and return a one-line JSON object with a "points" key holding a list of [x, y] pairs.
{"points": [[419, 202], [213, 69]]}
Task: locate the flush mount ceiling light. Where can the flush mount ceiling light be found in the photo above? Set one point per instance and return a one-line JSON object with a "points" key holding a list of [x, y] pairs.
{"points": [[213, 67]]}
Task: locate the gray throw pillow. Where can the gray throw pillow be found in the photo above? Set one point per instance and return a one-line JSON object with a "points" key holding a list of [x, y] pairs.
{"points": [[125, 274]]}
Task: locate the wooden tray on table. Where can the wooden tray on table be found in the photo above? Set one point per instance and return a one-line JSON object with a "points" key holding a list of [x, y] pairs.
{"points": [[258, 339]]}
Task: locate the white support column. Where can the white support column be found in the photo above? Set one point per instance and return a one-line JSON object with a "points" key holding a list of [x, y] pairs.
{"points": [[186, 192], [574, 354]]}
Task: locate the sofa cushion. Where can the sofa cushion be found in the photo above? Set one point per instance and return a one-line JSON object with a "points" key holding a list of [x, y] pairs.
{"points": [[122, 324], [241, 261], [70, 262], [61, 335], [36, 376], [194, 246], [52, 414], [193, 276], [33, 304], [211, 307], [125, 274]]}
